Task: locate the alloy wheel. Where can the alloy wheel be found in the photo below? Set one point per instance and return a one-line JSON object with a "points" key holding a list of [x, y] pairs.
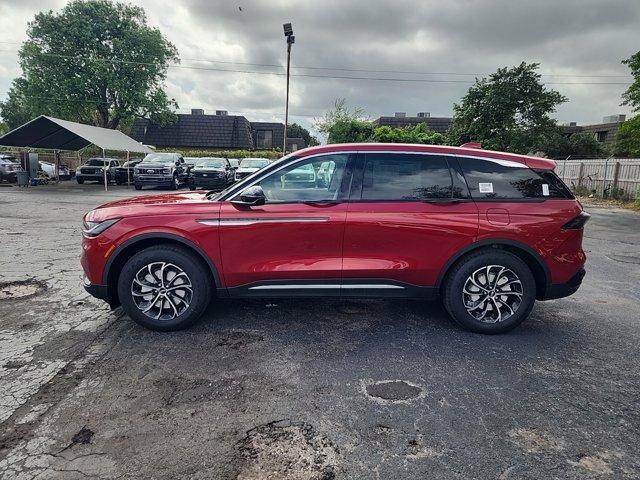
{"points": [[162, 291], [492, 294]]}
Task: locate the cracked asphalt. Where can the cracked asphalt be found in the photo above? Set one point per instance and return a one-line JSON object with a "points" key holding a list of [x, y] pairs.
{"points": [[310, 389]]}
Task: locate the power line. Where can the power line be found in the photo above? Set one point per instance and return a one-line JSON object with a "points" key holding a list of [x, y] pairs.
{"points": [[338, 77]]}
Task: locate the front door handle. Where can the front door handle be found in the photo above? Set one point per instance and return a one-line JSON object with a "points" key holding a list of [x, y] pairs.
{"points": [[321, 203]]}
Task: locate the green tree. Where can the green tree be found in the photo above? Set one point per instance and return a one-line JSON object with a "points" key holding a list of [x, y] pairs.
{"points": [[628, 139], [96, 62], [508, 111], [298, 131], [344, 125], [632, 96], [417, 134], [578, 145]]}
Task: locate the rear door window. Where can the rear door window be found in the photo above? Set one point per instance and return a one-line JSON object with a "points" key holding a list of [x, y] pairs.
{"points": [[500, 179], [403, 176]]}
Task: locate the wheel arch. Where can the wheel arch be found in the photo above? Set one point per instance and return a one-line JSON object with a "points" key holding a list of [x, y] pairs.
{"points": [[528, 255], [122, 253]]}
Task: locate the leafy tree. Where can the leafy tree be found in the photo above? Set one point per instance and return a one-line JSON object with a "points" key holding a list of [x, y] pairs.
{"points": [[628, 139], [632, 95], [298, 131], [96, 62], [344, 125], [578, 145], [508, 111], [418, 134], [4, 128]]}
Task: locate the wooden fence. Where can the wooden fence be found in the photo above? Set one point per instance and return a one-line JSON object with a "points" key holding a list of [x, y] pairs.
{"points": [[602, 175]]}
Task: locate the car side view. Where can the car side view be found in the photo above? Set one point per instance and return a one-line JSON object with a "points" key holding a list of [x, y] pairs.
{"points": [[486, 232]]}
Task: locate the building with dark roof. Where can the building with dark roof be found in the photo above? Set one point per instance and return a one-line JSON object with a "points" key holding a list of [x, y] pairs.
{"points": [[219, 131], [400, 120], [604, 132]]}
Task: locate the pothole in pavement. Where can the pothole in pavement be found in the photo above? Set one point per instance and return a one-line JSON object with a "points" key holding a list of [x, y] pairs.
{"points": [[393, 391], [285, 449], [22, 289], [625, 258]]}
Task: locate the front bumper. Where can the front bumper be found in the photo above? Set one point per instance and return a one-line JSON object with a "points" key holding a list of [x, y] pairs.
{"points": [[97, 291], [212, 182], [155, 180], [561, 290], [91, 176]]}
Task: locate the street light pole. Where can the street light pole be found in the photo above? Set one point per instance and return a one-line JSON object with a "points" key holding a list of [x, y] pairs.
{"points": [[288, 33]]}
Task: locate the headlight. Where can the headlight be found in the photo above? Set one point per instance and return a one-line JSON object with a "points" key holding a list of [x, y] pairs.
{"points": [[136, 170], [93, 229], [166, 170]]}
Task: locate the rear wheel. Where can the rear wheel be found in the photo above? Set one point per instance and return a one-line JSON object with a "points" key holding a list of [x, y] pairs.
{"points": [[490, 291], [164, 288]]}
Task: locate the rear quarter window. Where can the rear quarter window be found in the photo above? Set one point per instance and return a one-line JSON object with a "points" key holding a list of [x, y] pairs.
{"points": [[498, 179]]}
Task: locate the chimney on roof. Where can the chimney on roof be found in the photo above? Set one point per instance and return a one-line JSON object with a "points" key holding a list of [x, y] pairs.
{"points": [[424, 115], [400, 114], [221, 113], [614, 118], [197, 111]]}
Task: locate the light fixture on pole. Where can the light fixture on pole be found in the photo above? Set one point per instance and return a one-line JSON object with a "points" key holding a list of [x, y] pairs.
{"points": [[288, 33]]}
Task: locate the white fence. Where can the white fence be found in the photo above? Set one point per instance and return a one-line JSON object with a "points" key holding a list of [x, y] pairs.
{"points": [[602, 175]]}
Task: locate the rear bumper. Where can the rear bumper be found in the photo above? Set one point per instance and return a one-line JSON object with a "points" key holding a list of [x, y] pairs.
{"points": [[560, 290]]}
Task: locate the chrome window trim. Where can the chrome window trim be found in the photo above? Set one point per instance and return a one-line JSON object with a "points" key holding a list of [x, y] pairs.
{"points": [[235, 222], [506, 163]]}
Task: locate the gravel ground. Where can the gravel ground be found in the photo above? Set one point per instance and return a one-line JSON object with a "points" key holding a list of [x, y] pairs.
{"points": [[308, 389]]}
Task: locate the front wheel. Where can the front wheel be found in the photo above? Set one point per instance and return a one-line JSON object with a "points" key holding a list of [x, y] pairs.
{"points": [[80, 180], [138, 187], [175, 184], [164, 288], [490, 291]]}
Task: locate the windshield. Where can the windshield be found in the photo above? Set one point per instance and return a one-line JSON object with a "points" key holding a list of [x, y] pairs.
{"points": [[254, 163], [131, 163], [211, 163], [96, 162], [160, 158]]}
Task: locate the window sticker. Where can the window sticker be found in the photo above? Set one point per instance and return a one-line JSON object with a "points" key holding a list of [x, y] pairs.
{"points": [[545, 189], [485, 187]]}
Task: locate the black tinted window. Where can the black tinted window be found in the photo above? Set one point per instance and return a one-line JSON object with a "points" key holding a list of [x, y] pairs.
{"points": [[398, 176], [499, 179]]}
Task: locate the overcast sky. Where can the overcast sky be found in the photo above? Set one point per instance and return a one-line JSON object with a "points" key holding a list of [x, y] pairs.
{"points": [[585, 40]]}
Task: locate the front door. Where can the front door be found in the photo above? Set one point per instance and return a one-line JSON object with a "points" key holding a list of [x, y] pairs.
{"points": [[408, 214], [293, 243]]}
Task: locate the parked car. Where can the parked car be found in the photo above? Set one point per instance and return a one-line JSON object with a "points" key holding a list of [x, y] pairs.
{"points": [[248, 166], [161, 170], [124, 173], [9, 168], [211, 173], [235, 163], [49, 169], [487, 232], [303, 176], [93, 170], [191, 161]]}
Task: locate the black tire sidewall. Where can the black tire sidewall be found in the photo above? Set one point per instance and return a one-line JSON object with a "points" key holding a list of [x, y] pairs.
{"points": [[456, 280], [200, 281]]}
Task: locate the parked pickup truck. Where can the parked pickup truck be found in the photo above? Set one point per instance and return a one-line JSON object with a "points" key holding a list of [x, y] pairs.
{"points": [[161, 170], [93, 170]]}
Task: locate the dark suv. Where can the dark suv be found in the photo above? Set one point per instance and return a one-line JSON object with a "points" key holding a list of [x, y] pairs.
{"points": [[161, 170], [487, 232]]}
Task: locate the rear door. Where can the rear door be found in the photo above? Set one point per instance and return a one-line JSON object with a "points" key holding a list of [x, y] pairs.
{"points": [[293, 243], [408, 214]]}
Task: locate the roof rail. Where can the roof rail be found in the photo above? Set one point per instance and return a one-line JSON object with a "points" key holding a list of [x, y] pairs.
{"points": [[477, 145]]}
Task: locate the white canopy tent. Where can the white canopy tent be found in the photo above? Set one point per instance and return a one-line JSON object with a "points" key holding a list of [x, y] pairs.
{"points": [[56, 134]]}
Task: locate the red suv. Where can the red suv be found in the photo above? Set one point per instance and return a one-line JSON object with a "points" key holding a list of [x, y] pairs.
{"points": [[488, 232]]}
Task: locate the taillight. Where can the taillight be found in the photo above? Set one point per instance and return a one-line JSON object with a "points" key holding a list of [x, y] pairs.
{"points": [[578, 222]]}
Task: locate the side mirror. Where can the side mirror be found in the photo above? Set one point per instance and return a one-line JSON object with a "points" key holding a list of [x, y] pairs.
{"points": [[250, 197]]}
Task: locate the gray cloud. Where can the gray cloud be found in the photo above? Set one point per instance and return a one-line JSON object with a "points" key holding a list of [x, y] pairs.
{"points": [[579, 37]]}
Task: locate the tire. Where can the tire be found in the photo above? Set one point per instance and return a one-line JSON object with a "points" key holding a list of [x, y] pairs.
{"points": [[181, 314], [80, 180], [119, 182], [176, 183], [138, 187], [191, 187], [467, 278]]}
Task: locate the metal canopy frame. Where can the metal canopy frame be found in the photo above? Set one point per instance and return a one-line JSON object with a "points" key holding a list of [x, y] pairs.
{"points": [[56, 134]]}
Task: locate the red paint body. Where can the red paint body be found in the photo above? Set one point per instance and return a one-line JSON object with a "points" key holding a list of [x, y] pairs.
{"points": [[408, 241]]}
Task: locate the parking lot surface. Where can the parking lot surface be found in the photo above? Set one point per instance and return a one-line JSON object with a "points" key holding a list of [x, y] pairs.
{"points": [[308, 389]]}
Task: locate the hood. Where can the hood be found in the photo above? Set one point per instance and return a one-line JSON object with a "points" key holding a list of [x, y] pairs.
{"points": [[154, 165], [165, 204], [247, 169], [209, 169]]}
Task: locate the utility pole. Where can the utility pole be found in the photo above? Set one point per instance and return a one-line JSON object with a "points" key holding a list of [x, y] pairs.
{"points": [[288, 33]]}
